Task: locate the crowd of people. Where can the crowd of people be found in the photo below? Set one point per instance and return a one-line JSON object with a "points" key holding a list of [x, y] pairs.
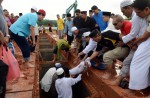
{"points": [[101, 38]]}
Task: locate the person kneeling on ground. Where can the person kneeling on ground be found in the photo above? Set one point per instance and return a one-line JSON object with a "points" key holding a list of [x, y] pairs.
{"points": [[61, 44], [103, 45]]}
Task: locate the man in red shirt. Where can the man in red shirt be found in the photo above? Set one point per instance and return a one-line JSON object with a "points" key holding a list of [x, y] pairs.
{"points": [[121, 51]]}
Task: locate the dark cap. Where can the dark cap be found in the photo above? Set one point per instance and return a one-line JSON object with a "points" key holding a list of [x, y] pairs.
{"points": [[77, 11], [68, 15], [90, 11], [83, 12], [41, 11], [94, 33], [107, 14], [94, 7]]}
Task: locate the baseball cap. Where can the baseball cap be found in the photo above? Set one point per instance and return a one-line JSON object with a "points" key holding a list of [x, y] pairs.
{"points": [[41, 11]]}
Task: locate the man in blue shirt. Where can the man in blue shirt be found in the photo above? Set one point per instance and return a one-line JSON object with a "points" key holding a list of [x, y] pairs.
{"points": [[98, 16], [68, 26], [22, 28]]}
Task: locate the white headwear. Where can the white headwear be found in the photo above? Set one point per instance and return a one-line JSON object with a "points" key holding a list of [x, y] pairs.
{"points": [[73, 29], [58, 65], [86, 34], [59, 71], [125, 3], [34, 8]]}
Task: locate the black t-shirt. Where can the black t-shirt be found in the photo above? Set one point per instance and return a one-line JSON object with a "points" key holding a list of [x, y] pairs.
{"points": [[77, 21], [104, 43], [89, 23]]}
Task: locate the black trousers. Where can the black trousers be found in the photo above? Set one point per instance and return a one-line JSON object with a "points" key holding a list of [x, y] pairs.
{"points": [[70, 39], [3, 76]]}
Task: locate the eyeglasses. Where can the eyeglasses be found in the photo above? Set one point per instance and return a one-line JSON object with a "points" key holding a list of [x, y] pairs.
{"points": [[115, 24]]}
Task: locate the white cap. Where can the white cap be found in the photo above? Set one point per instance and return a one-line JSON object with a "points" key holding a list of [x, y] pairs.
{"points": [[34, 8], [58, 65], [59, 71], [73, 29], [86, 34], [125, 3]]}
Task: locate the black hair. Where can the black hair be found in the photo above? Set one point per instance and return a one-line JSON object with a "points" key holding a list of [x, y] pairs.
{"points": [[61, 76], [94, 33], [66, 71], [77, 11], [64, 47], [68, 15], [20, 14], [4, 10], [94, 7], [141, 4]]}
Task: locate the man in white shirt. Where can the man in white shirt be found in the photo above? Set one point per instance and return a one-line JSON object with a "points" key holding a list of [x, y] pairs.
{"points": [[64, 85], [90, 47], [138, 25], [140, 65]]}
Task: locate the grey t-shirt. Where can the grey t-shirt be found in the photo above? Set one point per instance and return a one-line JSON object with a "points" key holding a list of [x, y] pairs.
{"points": [[2, 21]]}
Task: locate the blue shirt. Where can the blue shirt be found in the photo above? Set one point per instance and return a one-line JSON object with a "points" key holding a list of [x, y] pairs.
{"points": [[22, 25], [68, 26], [99, 20]]}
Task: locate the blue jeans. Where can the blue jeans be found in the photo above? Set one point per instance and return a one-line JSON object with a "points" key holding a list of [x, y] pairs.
{"points": [[23, 45]]}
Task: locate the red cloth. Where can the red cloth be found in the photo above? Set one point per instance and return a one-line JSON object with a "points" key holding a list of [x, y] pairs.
{"points": [[8, 58], [12, 20], [126, 27]]}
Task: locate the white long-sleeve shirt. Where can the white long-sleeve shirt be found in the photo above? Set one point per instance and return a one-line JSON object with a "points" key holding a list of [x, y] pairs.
{"points": [[111, 27], [91, 46], [78, 69], [47, 79], [139, 26], [64, 86]]}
